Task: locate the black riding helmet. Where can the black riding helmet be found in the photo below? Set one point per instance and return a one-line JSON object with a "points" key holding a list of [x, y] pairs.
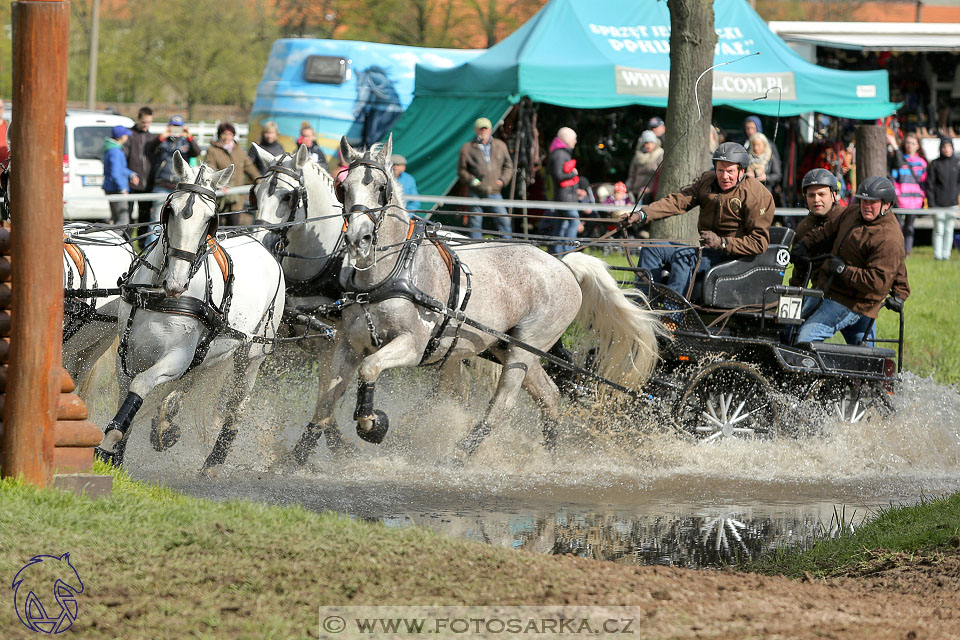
{"points": [[819, 178], [876, 188], [731, 152]]}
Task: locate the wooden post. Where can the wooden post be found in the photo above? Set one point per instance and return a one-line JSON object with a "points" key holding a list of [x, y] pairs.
{"points": [[40, 30], [871, 151]]}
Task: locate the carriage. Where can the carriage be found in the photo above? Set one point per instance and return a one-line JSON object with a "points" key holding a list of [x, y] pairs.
{"points": [[731, 366]]}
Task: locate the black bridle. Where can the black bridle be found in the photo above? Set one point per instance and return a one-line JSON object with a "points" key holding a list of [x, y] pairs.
{"points": [[195, 189], [298, 199], [376, 215]]}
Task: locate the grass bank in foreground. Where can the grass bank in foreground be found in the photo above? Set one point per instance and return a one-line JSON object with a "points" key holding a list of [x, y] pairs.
{"points": [[932, 347], [893, 535], [157, 564], [153, 559]]}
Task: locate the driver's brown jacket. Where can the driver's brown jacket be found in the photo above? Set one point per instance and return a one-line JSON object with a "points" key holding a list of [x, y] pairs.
{"points": [[874, 255], [810, 222], [741, 215]]}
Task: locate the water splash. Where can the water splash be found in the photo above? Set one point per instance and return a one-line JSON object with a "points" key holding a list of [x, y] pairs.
{"points": [[622, 484]]}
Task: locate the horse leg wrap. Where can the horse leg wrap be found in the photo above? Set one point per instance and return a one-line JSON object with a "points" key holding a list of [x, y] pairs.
{"points": [[472, 441], [550, 433], [307, 443], [121, 422], [222, 446], [364, 399]]}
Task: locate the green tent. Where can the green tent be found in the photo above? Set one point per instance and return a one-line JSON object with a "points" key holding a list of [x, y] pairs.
{"points": [[598, 54]]}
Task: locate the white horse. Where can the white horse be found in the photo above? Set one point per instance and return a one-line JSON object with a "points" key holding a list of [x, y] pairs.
{"points": [[92, 259], [297, 196], [297, 193], [516, 289], [192, 303]]}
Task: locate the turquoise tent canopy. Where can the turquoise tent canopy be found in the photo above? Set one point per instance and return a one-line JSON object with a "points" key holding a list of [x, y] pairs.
{"points": [[597, 54]]}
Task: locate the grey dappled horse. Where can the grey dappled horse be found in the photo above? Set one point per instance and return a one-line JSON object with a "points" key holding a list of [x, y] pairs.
{"points": [[516, 288], [299, 194], [192, 313]]}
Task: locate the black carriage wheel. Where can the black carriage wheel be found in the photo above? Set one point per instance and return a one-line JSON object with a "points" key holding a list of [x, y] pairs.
{"points": [[851, 400], [727, 399]]}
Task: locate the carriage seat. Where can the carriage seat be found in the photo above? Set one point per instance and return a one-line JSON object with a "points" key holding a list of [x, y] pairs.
{"points": [[742, 281]]}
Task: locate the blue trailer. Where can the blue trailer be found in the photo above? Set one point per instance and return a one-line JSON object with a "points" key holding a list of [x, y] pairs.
{"points": [[341, 87]]}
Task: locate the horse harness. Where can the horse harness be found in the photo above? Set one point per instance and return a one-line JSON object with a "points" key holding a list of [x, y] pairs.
{"points": [[325, 282], [78, 312], [147, 296], [398, 284]]}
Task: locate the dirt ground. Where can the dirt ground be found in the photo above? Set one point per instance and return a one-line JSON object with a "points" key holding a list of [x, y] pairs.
{"points": [[896, 596]]}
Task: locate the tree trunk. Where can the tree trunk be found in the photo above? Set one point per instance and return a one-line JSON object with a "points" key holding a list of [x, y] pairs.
{"points": [[871, 151], [692, 40]]}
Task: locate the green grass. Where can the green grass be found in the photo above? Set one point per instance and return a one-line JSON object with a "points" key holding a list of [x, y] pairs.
{"points": [[892, 536], [159, 564], [931, 347]]}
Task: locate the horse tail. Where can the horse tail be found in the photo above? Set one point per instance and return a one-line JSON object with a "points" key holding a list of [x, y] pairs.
{"points": [[625, 333]]}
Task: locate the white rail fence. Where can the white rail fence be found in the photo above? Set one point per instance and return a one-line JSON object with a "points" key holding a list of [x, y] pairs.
{"points": [[924, 221]]}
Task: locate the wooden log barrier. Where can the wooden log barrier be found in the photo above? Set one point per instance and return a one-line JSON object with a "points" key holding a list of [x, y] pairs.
{"points": [[4, 315]]}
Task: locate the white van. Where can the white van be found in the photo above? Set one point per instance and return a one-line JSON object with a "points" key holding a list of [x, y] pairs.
{"points": [[83, 162]]}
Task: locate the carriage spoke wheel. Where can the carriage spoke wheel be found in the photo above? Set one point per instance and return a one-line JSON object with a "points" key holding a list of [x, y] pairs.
{"points": [[727, 400], [851, 401]]}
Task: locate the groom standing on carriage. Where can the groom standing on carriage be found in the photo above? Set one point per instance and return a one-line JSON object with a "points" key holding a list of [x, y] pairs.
{"points": [[735, 215]]}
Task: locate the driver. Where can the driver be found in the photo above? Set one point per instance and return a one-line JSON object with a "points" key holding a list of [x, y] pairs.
{"points": [[734, 222], [867, 256]]}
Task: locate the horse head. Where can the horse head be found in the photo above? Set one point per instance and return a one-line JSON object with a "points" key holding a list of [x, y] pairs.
{"points": [[369, 193], [279, 194], [188, 216]]}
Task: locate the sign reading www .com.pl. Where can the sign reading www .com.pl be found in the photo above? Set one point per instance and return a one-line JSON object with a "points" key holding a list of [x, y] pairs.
{"points": [[481, 622]]}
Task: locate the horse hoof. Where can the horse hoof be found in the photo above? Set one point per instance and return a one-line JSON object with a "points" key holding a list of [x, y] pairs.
{"points": [[163, 434], [210, 473], [336, 444], [374, 430], [458, 460], [110, 457]]}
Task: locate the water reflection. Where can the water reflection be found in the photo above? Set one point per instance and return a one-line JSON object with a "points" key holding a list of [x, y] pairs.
{"points": [[694, 538]]}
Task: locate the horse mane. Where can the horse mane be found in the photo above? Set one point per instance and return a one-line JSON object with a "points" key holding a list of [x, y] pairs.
{"points": [[325, 175]]}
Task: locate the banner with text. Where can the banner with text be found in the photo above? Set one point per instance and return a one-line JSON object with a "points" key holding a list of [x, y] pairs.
{"points": [[726, 86]]}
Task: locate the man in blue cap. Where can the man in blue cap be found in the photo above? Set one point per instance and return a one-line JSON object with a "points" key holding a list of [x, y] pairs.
{"points": [[117, 177]]}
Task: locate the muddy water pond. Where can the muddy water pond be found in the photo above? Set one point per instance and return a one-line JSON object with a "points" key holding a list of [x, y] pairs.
{"points": [[632, 493]]}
